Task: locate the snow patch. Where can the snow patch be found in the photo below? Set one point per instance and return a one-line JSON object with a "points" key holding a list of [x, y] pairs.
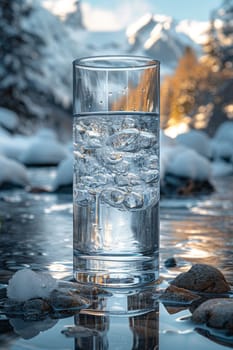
{"points": [[64, 174], [13, 146], [221, 168], [190, 164], [44, 149], [13, 172], [27, 284], [225, 132], [197, 140], [8, 119], [221, 149], [180, 160]]}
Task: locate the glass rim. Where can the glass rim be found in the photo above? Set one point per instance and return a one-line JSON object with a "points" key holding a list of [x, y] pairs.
{"points": [[131, 62]]}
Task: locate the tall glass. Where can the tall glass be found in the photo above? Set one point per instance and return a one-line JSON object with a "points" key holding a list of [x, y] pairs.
{"points": [[116, 170]]}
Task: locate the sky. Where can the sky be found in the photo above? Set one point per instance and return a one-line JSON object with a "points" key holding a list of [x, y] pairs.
{"points": [[118, 14]]}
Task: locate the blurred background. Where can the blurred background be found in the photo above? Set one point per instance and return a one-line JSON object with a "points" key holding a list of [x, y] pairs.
{"points": [[40, 39]]}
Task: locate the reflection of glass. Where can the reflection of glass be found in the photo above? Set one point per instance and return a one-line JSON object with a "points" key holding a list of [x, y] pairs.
{"points": [[118, 332], [116, 170], [119, 322], [96, 335], [28, 328], [145, 331]]}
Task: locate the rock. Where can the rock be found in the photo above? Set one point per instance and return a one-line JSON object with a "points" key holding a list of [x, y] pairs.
{"points": [[202, 278], [66, 299], [79, 332], [177, 295], [33, 308], [66, 189], [216, 313], [176, 186], [36, 307], [38, 189], [170, 262]]}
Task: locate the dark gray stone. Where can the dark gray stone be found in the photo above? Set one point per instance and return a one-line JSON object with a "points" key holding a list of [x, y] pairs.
{"points": [[178, 295], [170, 262], [66, 299], [216, 313], [202, 278]]}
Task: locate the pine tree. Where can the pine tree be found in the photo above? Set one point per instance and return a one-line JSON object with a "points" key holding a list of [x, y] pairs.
{"points": [[200, 90], [20, 53], [179, 91]]}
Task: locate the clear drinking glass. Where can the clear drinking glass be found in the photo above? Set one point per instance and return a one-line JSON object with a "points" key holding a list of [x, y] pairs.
{"points": [[116, 170]]}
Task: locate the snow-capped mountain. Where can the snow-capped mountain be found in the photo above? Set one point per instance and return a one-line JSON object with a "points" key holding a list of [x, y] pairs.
{"points": [[160, 37], [63, 40], [195, 30]]}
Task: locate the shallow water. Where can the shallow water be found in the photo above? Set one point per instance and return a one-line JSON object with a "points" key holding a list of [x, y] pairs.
{"points": [[36, 232]]}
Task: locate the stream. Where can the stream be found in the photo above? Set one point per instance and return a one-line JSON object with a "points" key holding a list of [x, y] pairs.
{"points": [[36, 233]]}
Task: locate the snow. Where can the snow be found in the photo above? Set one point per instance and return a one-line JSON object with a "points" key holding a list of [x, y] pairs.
{"points": [[8, 119], [222, 149], [63, 44], [196, 30], [13, 146], [27, 284], [197, 140], [64, 174], [158, 37], [225, 132], [222, 143], [221, 168], [190, 164], [180, 160], [4, 133], [60, 50], [13, 172], [43, 149]]}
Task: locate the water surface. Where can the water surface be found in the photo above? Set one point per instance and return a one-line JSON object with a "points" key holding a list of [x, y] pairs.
{"points": [[36, 232]]}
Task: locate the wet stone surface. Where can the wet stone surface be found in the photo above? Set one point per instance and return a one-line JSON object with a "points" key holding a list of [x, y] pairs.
{"points": [[216, 313], [63, 300], [202, 278], [178, 296]]}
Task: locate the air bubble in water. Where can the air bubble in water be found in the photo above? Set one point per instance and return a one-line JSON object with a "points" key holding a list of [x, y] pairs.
{"points": [[152, 162], [151, 176], [133, 200], [124, 140], [147, 139], [82, 197], [113, 197], [128, 123]]}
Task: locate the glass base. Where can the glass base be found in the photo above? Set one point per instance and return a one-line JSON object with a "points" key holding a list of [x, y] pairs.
{"points": [[116, 272]]}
